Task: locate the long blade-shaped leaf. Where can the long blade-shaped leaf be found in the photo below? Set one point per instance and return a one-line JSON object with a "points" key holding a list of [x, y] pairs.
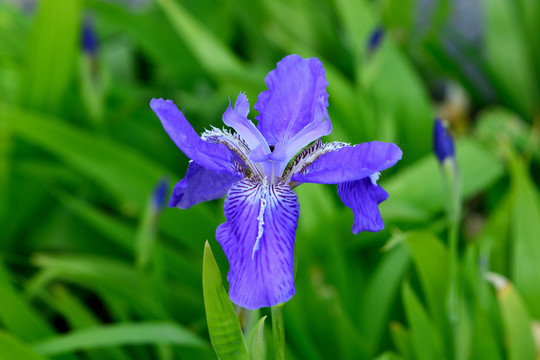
{"points": [[257, 343], [426, 340], [109, 277], [50, 56], [213, 55], [223, 325], [381, 292], [516, 320], [526, 227], [431, 262], [505, 44], [11, 348], [118, 335], [17, 315], [127, 174]]}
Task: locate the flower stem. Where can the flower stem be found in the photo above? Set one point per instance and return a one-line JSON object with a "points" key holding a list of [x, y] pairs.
{"points": [[454, 216], [278, 331]]}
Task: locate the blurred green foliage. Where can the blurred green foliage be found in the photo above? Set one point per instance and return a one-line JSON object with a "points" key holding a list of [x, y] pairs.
{"points": [[89, 270]]}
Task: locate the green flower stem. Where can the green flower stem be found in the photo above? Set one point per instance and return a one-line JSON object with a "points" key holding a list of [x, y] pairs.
{"points": [[278, 331], [451, 175]]}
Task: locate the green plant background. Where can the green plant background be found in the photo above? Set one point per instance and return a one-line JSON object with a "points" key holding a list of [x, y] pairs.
{"points": [[90, 270]]}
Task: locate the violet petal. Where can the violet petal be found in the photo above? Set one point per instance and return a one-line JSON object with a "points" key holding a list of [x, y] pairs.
{"points": [[294, 89], [363, 197], [350, 163], [215, 157], [258, 240], [200, 185]]}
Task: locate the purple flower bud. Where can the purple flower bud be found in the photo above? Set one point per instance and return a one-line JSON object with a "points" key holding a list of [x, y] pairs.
{"points": [[375, 39], [443, 144], [159, 194], [89, 41]]}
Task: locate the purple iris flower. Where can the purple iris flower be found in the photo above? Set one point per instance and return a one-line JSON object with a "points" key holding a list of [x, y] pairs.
{"points": [[258, 166]]}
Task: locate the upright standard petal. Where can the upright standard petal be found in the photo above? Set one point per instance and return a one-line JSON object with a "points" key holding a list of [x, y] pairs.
{"points": [[237, 119], [349, 163], [363, 197], [200, 185], [295, 88], [258, 240], [215, 157], [284, 153]]}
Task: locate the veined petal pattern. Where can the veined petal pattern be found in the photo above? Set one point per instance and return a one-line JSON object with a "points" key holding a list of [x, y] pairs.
{"points": [[295, 88], [363, 197], [211, 156], [200, 185], [350, 163], [237, 119], [258, 240]]}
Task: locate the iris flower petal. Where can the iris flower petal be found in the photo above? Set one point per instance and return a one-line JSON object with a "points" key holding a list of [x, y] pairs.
{"points": [[215, 157], [295, 88], [363, 197], [237, 119], [200, 185], [350, 163], [313, 131], [258, 240]]}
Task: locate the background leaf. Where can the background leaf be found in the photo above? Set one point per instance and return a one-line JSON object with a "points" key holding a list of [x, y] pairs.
{"points": [[119, 335], [223, 324]]}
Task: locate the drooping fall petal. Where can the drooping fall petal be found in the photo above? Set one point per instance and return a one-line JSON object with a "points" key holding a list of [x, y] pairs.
{"points": [[258, 240]]}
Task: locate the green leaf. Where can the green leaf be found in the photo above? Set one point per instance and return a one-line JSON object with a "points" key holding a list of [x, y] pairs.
{"points": [[401, 338], [17, 315], [120, 335], [525, 230], [310, 196], [530, 13], [111, 277], [124, 172], [14, 30], [505, 44], [494, 237], [486, 344], [464, 325], [425, 337], [358, 22], [179, 264], [50, 54], [380, 293], [399, 15], [109, 227], [78, 316], [485, 337], [431, 261], [20, 318], [223, 325], [11, 349], [389, 356], [517, 323], [155, 36], [257, 343], [213, 55]]}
